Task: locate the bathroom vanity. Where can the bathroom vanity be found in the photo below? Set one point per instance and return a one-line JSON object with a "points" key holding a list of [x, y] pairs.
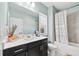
{"points": [[27, 21], [35, 47]]}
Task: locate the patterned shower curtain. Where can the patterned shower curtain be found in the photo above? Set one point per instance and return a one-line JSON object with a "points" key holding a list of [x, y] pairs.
{"points": [[61, 27]]}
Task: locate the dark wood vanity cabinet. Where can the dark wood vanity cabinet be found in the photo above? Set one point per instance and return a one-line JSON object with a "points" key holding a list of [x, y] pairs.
{"points": [[34, 51], [16, 51], [37, 48], [43, 50]]}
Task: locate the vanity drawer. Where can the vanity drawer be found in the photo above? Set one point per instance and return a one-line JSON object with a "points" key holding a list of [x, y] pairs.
{"points": [[14, 50], [44, 40], [34, 44]]}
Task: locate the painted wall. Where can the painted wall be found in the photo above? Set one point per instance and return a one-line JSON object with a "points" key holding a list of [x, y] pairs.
{"points": [[41, 8], [51, 23], [3, 17], [73, 9]]}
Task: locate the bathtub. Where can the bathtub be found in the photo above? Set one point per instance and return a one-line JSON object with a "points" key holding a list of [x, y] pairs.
{"points": [[74, 44], [71, 49]]}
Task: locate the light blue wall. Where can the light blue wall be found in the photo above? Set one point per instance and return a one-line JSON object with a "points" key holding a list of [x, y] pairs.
{"points": [[51, 23], [3, 17], [73, 9], [41, 8]]}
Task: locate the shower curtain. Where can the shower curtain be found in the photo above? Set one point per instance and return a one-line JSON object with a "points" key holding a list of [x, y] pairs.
{"points": [[61, 27]]}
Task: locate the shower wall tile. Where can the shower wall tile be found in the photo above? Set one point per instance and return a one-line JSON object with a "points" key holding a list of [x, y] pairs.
{"points": [[73, 27]]}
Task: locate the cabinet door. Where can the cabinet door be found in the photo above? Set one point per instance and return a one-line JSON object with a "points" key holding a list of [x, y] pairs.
{"points": [[22, 54], [15, 51], [35, 51], [43, 50]]}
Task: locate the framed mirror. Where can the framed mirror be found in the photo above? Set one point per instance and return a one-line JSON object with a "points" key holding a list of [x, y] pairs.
{"points": [[31, 19]]}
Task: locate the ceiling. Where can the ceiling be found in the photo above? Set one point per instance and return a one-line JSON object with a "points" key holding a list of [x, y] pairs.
{"points": [[61, 5]]}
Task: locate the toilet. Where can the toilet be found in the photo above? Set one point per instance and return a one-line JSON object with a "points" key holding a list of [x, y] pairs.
{"points": [[51, 49]]}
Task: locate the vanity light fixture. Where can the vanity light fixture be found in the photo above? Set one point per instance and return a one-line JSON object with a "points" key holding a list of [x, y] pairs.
{"points": [[28, 3], [31, 4], [24, 4]]}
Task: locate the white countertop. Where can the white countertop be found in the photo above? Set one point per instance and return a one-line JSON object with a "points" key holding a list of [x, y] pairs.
{"points": [[21, 41], [0, 48]]}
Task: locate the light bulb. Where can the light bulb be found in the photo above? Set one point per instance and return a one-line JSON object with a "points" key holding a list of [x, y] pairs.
{"points": [[33, 4], [19, 3], [28, 3]]}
